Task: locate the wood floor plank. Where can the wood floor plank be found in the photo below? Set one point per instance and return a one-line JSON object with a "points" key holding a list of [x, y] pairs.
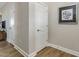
{"points": [[8, 50], [52, 52]]}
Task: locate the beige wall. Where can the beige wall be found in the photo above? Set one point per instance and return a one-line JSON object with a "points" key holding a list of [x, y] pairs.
{"points": [[19, 12], [63, 34]]}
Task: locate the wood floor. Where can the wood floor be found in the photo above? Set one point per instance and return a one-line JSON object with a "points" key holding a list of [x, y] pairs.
{"points": [[52, 52], [8, 50]]}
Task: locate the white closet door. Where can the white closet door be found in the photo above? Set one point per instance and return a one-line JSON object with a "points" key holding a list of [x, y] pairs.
{"points": [[41, 25]]}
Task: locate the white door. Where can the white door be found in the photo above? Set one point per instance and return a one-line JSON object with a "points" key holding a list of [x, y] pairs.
{"points": [[41, 25]]}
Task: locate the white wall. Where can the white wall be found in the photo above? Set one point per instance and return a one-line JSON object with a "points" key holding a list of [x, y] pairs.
{"points": [[22, 25], [63, 34], [18, 33], [31, 27]]}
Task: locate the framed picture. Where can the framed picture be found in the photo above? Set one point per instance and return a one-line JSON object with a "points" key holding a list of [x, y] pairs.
{"points": [[67, 14]]}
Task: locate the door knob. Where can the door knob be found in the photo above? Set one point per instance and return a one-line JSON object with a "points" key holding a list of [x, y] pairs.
{"points": [[38, 30]]}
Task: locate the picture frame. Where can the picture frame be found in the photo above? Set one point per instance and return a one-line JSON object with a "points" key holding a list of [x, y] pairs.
{"points": [[67, 14]]}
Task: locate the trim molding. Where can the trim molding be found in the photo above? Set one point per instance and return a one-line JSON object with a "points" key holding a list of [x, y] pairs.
{"points": [[32, 54], [35, 52], [76, 53], [64, 49], [20, 50]]}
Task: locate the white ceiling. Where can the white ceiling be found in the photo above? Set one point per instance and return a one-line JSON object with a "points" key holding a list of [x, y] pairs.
{"points": [[2, 4]]}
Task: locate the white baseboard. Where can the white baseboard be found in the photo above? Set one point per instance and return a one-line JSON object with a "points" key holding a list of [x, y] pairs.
{"points": [[35, 52], [19, 49], [76, 53], [64, 49]]}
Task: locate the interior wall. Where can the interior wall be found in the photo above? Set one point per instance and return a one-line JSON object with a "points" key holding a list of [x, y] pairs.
{"points": [[31, 27], [22, 25], [19, 13], [64, 35]]}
